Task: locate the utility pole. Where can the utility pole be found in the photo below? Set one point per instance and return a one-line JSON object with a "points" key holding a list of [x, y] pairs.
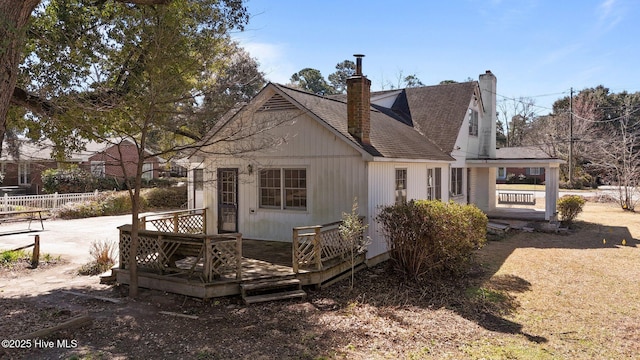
{"points": [[571, 138]]}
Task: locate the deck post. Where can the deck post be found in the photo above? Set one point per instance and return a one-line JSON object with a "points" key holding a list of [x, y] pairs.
{"points": [[143, 223], [176, 225], [207, 259], [294, 251], [317, 248], [121, 263], [204, 220], [238, 256]]}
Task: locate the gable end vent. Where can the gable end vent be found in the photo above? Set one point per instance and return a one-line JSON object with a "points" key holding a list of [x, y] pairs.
{"points": [[277, 102]]}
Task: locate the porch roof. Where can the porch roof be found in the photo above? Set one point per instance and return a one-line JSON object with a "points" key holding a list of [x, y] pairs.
{"points": [[517, 156], [514, 163]]}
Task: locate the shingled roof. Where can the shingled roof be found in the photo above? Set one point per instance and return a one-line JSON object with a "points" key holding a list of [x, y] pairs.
{"points": [[437, 111], [391, 136], [423, 123]]}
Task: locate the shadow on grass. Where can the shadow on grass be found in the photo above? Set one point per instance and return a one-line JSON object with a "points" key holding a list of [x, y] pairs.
{"points": [[581, 236], [223, 328]]}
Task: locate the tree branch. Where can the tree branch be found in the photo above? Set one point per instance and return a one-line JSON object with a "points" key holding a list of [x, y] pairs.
{"points": [[32, 102], [145, 2]]}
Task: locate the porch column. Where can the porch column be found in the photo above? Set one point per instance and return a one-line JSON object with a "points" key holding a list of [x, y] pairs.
{"points": [[492, 188], [551, 186]]}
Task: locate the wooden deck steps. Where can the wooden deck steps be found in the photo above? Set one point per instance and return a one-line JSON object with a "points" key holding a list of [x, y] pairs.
{"points": [[271, 290]]}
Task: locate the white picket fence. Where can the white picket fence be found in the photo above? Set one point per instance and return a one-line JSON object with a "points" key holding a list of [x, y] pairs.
{"points": [[48, 201]]}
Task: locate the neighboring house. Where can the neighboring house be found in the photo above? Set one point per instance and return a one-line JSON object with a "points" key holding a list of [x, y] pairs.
{"points": [[108, 160], [521, 175], [434, 142], [22, 168]]}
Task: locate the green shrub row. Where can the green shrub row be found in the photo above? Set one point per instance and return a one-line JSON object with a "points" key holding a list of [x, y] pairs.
{"points": [[432, 239], [76, 180], [119, 203]]}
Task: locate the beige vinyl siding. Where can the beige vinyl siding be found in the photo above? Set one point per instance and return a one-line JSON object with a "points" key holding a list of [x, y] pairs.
{"points": [[336, 174]]}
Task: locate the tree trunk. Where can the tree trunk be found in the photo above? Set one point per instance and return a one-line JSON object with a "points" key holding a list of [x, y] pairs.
{"points": [[14, 17]]}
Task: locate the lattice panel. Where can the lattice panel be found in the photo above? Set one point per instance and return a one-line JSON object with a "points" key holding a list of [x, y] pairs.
{"points": [[333, 245], [224, 257], [149, 252], [191, 224], [305, 253], [164, 225], [187, 224]]}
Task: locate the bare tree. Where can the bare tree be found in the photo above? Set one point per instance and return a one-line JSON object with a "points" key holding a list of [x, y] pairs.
{"points": [[516, 115], [618, 156]]}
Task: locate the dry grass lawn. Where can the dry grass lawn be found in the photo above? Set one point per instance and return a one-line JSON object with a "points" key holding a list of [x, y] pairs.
{"points": [[535, 296], [581, 292]]}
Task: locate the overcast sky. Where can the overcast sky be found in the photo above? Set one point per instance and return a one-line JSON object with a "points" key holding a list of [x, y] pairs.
{"points": [[537, 49]]}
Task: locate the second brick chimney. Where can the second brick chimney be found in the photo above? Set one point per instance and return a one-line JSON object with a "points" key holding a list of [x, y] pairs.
{"points": [[358, 104]]}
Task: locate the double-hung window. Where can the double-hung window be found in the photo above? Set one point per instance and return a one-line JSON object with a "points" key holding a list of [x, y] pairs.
{"points": [[456, 181], [473, 122], [147, 171], [282, 189], [434, 183], [24, 174], [401, 186]]}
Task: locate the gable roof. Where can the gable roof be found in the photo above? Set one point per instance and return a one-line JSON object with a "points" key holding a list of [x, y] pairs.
{"points": [[437, 112], [391, 136]]}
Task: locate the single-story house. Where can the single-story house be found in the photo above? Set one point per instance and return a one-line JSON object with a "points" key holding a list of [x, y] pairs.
{"points": [[22, 167], [291, 158]]}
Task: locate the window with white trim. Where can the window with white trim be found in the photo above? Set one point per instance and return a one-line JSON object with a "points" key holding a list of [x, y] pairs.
{"points": [[473, 122], [97, 169], [502, 173], [147, 171], [534, 171], [401, 186], [431, 185], [284, 189], [456, 181], [438, 184], [434, 183], [198, 179], [24, 174]]}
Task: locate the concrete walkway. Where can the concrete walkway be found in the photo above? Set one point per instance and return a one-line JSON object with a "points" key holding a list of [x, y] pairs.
{"points": [[71, 239]]}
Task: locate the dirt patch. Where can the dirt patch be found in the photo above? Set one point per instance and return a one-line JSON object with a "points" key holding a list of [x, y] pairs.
{"points": [[535, 295], [23, 268]]}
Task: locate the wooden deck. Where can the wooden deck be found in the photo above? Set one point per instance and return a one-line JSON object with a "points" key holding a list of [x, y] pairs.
{"points": [[260, 261]]}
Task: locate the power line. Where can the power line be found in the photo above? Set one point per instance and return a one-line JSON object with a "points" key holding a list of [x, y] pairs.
{"points": [[637, 109]]}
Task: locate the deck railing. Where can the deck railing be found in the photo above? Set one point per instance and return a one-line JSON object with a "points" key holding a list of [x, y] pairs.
{"points": [[314, 246], [193, 221], [45, 201], [207, 256]]}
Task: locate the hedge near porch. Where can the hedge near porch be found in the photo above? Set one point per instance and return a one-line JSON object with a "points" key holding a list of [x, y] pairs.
{"points": [[432, 239]]}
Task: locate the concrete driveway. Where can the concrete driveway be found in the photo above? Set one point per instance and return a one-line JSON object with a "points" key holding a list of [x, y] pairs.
{"points": [[70, 239]]}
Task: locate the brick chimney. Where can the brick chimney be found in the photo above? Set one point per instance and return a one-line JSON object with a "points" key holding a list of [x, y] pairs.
{"points": [[358, 104]]}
